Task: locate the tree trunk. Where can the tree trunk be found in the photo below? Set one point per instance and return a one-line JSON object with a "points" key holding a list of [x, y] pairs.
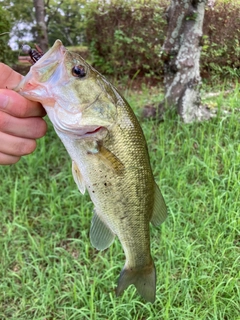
{"points": [[181, 54], [42, 36]]}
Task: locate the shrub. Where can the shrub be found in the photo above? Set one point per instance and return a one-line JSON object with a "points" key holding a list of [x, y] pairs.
{"points": [[221, 49], [125, 37], [6, 54]]}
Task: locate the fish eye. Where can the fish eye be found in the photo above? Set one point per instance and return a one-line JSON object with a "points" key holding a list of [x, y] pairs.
{"points": [[78, 71]]}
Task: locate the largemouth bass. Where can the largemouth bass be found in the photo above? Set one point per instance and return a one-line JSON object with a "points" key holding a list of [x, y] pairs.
{"points": [[109, 158]]}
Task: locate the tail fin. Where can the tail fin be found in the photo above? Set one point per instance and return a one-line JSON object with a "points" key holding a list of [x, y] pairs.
{"points": [[143, 279]]}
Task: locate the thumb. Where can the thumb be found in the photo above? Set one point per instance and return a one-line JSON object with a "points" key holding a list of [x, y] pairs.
{"points": [[9, 78], [13, 103]]}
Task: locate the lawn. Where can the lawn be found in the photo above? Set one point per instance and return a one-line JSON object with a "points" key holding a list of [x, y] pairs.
{"points": [[49, 270]]}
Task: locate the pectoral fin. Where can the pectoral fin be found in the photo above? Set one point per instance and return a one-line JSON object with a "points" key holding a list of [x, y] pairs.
{"points": [[111, 160], [101, 236], [107, 157], [78, 178], [159, 209]]}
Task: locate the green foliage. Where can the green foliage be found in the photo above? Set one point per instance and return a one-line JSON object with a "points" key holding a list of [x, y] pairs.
{"points": [[63, 18], [65, 21], [6, 54], [221, 46], [20, 12], [48, 268], [125, 37]]}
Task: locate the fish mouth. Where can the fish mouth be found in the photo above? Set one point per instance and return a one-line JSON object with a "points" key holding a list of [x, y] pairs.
{"points": [[56, 52], [94, 131], [99, 132], [91, 132], [44, 65]]}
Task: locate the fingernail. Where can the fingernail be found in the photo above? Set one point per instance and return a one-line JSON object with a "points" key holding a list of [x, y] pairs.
{"points": [[3, 101]]}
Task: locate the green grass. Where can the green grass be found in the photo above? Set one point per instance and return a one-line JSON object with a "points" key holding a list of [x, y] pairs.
{"points": [[49, 270]]}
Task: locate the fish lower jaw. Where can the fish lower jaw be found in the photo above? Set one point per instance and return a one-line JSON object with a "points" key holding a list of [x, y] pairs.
{"points": [[91, 132], [81, 133]]}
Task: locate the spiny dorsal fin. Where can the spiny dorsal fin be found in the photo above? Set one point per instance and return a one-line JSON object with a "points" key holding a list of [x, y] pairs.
{"points": [[101, 236], [78, 178], [159, 208]]}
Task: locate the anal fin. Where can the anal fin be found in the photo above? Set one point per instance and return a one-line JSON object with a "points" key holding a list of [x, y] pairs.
{"points": [[101, 236], [159, 209]]}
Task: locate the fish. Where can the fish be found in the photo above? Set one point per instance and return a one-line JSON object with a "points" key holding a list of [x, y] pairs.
{"points": [[109, 158]]}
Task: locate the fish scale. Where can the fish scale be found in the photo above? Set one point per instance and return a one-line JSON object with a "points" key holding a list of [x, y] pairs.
{"points": [[109, 158]]}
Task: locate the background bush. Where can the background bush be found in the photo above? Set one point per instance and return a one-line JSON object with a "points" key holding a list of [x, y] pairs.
{"points": [[221, 49], [6, 54], [125, 38]]}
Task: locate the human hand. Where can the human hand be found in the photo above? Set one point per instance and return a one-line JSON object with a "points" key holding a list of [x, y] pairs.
{"points": [[21, 120]]}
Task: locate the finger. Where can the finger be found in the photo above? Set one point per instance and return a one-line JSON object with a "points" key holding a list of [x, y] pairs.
{"points": [[32, 128], [9, 78], [18, 106], [16, 146], [6, 159]]}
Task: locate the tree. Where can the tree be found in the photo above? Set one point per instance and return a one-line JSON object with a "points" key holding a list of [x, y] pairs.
{"points": [[65, 21], [42, 35], [46, 20], [181, 54]]}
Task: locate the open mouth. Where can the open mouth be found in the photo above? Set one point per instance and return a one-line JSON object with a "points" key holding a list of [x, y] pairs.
{"points": [[81, 133], [94, 131]]}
